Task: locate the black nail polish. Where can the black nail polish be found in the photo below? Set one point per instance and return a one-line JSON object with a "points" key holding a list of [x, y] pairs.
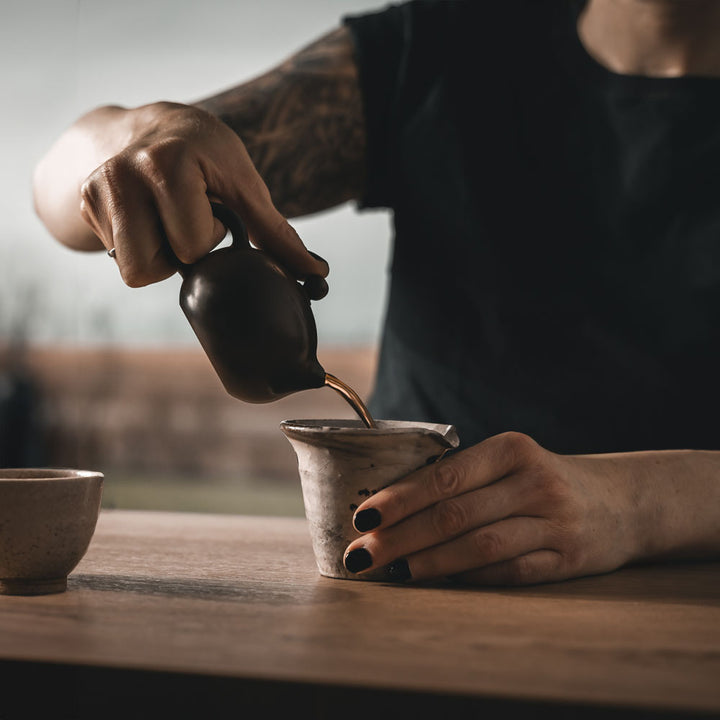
{"points": [[399, 570], [367, 519], [316, 287], [357, 560], [318, 257]]}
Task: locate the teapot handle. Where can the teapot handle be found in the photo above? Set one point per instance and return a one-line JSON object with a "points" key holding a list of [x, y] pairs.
{"points": [[231, 220], [315, 286]]}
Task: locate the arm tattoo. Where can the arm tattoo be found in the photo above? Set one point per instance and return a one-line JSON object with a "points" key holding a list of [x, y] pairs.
{"points": [[303, 126]]}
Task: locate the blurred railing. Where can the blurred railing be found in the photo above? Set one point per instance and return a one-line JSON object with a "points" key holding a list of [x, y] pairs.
{"points": [[166, 412]]}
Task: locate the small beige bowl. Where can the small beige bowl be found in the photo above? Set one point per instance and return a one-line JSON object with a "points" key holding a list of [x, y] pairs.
{"points": [[47, 519]]}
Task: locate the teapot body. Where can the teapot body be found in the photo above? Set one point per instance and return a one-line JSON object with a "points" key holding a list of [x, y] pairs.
{"points": [[254, 322]]}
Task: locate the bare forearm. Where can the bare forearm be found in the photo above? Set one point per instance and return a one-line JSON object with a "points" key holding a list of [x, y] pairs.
{"points": [[302, 124], [677, 495]]}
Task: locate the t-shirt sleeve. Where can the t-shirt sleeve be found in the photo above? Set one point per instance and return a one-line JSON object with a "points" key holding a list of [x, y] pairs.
{"points": [[378, 45], [396, 51]]}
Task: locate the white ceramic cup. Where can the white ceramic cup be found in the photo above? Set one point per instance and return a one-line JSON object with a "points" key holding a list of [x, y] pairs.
{"points": [[341, 463]]}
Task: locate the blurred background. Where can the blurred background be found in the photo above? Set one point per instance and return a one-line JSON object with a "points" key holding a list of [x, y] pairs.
{"points": [[96, 375]]}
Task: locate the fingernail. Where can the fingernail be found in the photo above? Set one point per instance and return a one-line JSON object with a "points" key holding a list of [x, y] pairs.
{"points": [[316, 287], [367, 519], [399, 570], [357, 560], [321, 259]]}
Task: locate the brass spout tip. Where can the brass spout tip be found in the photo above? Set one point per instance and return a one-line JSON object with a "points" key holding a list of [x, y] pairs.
{"points": [[352, 398]]}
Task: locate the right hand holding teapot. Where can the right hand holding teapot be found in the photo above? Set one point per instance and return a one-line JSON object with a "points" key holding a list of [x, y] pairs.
{"points": [[143, 177]]}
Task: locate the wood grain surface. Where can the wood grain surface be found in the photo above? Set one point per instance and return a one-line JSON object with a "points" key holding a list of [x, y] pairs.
{"points": [[240, 597]]}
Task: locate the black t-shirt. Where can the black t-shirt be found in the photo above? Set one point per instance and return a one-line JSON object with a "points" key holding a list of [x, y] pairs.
{"points": [[556, 259]]}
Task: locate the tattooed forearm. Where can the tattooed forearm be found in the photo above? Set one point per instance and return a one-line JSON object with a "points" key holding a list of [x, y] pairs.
{"points": [[302, 124]]}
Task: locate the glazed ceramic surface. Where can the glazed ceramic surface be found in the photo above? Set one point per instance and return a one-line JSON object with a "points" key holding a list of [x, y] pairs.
{"points": [[252, 318], [47, 519], [341, 463]]}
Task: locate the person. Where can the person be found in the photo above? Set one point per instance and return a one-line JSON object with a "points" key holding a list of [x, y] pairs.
{"points": [[551, 168]]}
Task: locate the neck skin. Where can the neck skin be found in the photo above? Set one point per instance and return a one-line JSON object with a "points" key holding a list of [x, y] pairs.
{"points": [[656, 38]]}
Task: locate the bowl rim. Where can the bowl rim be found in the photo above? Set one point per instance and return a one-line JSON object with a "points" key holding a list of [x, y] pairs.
{"points": [[47, 474]]}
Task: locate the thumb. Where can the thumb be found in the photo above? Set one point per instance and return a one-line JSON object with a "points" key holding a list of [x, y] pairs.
{"points": [[270, 231], [285, 246], [243, 190]]}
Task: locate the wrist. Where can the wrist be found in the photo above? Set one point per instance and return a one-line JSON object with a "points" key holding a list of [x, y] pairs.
{"points": [[60, 174], [675, 499]]}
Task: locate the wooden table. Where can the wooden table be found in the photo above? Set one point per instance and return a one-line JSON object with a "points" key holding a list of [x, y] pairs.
{"points": [[212, 614]]}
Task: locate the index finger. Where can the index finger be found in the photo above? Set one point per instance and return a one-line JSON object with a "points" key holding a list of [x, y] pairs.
{"points": [[243, 190], [476, 467]]}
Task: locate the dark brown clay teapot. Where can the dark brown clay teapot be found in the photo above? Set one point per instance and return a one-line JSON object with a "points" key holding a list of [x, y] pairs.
{"points": [[252, 318]]}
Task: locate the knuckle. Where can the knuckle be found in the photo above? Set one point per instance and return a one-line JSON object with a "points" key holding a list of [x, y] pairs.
{"points": [[100, 180], [187, 254], [449, 518], [167, 106], [134, 278], [396, 502], [551, 488], [104, 185], [88, 192], [137, 274], [488, 545], [445, 480], [87, 209], [161, 159], [521, 448], [137, 278], [111, 173], [521, 571], [178, 114]]}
